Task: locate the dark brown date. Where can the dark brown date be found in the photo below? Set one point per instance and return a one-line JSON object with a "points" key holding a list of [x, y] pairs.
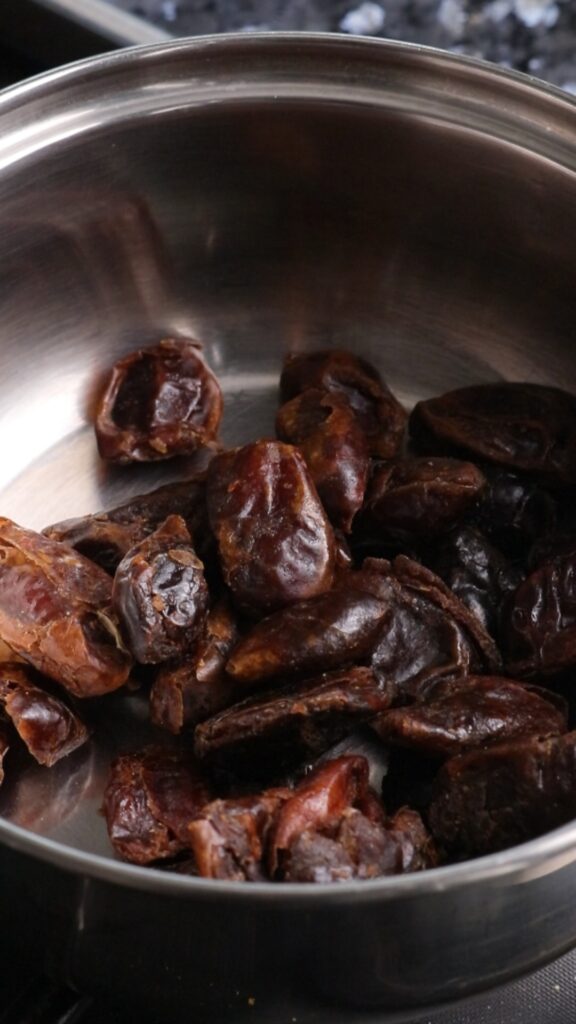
{"points": [[429, 634], [460, 714], [525, 427], [55, 611], [106, 537], [150, 800], [418, 499], [188, 692], [229, 838], [275, 543], [487, 800], [320, 633], [514, 511], [292, 721], [327, 432], [409, 780], [47, 726], [540, 623], [380, 416], [159, 402], [160, 594], [477, 573], [322, 797]]}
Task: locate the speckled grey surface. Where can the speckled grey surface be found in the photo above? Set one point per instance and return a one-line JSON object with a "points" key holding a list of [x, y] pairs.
{"points": [[535, 36]]}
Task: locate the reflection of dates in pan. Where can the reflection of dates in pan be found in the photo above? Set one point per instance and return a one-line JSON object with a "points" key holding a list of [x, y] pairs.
{"points": [[159, 402]]}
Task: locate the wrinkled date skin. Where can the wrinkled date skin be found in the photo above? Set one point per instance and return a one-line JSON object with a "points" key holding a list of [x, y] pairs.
{"points": [[379, 414], [540, 624], [514, 511], [47, 726], [325, 428], [513, 791], [275, 542], [322, 633], [464, 713], [322, 834], [150, 800], [106, 537], [55, 611], [477, 573], [229, 838], [160, 594], [429, 634], [159, 402], [417, 499], [525, 427], [189, 691], [292, 721]]}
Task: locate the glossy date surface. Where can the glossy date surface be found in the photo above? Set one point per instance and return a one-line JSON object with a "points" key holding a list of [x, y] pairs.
{"points": [[46, 725]]}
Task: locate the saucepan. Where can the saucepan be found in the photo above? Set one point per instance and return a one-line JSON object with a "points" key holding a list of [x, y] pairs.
{"points": [[262, 194]]}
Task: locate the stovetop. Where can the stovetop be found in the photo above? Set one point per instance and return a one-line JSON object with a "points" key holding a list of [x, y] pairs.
{"points": [[546, 997]]}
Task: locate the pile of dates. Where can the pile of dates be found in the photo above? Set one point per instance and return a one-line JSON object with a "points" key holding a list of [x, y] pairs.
{"points": [[358, 638]]}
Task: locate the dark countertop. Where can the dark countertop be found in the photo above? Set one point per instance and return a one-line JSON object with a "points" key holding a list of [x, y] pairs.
{"points": [[534, 36]]}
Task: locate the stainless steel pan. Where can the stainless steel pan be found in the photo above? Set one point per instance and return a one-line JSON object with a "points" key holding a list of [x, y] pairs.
{"points": [[268, 193]]}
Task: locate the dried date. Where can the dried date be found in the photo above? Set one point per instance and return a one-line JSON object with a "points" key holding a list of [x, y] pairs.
{"points": [[47, 726], [325, 428], [159, 402], [488, 800], [429, 634], [525, 427], [106, 537], [321, 633], [55, 611], [189, 691], [514, 511], [460, 714], [150, 799], [275, 543], [160, 594], [229, 838], [379, 414], [292, 721], [540, 623], [417, 499]]}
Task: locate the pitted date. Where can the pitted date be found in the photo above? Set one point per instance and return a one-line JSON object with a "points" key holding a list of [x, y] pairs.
{"points": [[55, 611], [292, 721], [325, 428], [460, 714], [47, 726], [187, 692], [323, 835], [417, 499], [525, 427], [275, 542], [106, 537], [477, 573], [160, 594], [159, 402], [379, 414], [540, 622], [428, 635], [150, 800], [321, 633], [229, 838], [487, 800]]}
